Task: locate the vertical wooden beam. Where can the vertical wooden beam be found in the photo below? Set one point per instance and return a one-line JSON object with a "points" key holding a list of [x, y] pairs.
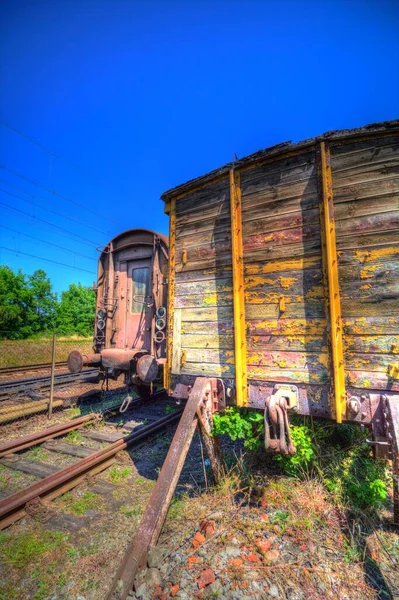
{"points": [[240, 342], [330, 255], [171, 209]]}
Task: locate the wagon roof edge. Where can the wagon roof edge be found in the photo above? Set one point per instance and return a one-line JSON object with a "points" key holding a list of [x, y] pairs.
{"points": [[277, 149]]}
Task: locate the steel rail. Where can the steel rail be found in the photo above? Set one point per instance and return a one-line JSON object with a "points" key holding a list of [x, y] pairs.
{"points": [[44, 379], [12, 508], [151, 523], [34, 367], [38, 437]]}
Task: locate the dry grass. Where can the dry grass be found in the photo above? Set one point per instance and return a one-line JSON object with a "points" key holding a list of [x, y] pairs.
{"points": [[36, 351]]}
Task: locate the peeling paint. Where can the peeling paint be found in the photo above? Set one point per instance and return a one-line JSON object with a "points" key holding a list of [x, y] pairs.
{"points": [[287, 282], [369, 255], [368, 272]]}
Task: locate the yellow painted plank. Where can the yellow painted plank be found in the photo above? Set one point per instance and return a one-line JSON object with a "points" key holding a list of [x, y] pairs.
{"points": [[171, 292], [333, 284], [238, 290]]}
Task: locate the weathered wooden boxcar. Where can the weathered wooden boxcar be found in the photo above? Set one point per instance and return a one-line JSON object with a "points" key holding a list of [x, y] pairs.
{"points": [[284, 273], [283, 295]]}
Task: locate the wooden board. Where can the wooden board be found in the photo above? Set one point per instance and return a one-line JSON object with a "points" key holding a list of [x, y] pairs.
{"points": [[366, 196], [203, 286], [65, 448], [287, 317], [30, 467], [104, 436]]}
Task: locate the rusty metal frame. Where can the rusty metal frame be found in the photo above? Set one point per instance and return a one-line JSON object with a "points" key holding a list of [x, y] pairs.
{"points": [[171, 292], [150, 526], [330, 255], [237, 258]]}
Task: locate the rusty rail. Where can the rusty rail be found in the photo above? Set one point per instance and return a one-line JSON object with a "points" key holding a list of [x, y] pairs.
{"points": [[13, 507], [158, 504], [45, 434], [35, 367], [44, 380]]}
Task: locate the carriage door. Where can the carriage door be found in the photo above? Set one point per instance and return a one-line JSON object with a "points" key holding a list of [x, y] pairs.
{"points": [[139, 304]]}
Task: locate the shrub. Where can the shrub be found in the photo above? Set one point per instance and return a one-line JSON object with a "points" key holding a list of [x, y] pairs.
{"points": [[240, 424], [338, 454]]}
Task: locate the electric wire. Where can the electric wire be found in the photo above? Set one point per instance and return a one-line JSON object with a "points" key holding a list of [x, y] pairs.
{"points": [[41, 228], [46, 242], [46, 259], [49, 209], [22, 212], [51, 153], [38, 184]]}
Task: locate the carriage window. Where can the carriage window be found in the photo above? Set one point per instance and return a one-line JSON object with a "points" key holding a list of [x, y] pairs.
{"points": [[140, 289]]}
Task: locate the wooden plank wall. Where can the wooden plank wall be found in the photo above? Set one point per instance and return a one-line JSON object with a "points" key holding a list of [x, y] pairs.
{"points": [[285, 293], [203, 291], [285, 296], [366, 204]]}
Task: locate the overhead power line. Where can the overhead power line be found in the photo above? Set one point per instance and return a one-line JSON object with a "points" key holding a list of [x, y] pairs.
{"points": [[38, 184], [46, 259], [50, 209], [22, 212], [51, 153], [49, 243]]}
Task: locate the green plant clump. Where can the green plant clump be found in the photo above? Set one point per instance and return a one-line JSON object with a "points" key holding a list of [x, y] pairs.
{"points": [[337, 454], [240, 424], [27, 547], [305, 455], [118, 473]]}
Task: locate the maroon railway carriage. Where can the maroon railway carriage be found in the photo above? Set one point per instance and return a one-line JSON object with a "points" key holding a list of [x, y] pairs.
{"points": [[130, 311]]}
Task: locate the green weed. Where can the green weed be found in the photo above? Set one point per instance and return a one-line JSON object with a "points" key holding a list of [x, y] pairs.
{"points": [[74, 437], [176, 507], [22, 550], [352, 552], [279, 517], [130, 511], [37, 453], [240, 424], [87, 501], [337, 454], [117, 473]]}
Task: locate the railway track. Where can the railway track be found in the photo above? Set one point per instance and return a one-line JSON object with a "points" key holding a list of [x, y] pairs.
{"points": [[4, 371], [72, 464], [42, 382]]}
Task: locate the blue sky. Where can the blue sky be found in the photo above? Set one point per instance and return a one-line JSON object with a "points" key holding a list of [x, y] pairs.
{"points": [[141, 96]]}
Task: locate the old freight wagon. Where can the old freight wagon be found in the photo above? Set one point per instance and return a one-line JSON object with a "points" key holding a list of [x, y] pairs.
{"points": [[283, 296], [283, 279]]}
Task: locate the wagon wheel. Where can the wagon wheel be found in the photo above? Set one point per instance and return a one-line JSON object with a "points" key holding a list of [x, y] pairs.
{"points": [[144, 391]]}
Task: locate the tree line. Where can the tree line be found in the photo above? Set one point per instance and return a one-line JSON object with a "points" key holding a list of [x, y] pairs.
{"points": [[29, 307]]}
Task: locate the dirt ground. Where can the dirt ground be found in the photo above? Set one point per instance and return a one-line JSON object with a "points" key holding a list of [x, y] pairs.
{"points": [[275, 538]]}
